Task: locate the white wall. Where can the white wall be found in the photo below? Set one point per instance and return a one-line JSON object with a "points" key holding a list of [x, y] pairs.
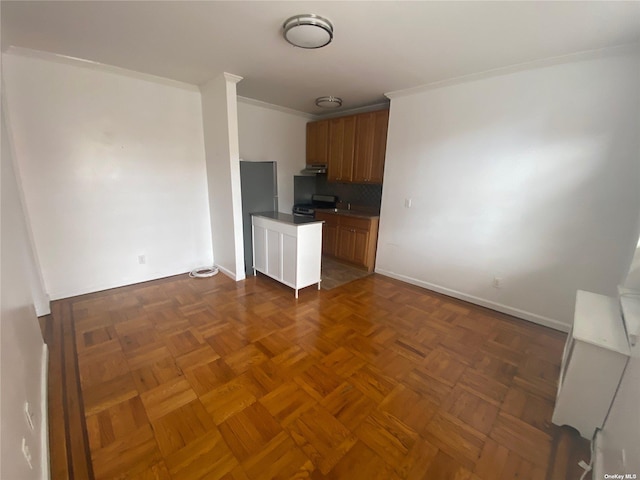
{"points": [[22, 352], [531, 176], [269, 133], [220, 123], [40, 298], [112, 167]]}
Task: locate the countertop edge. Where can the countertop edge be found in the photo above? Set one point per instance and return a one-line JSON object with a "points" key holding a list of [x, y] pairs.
{"points": [[287, 218], [347, 213]]}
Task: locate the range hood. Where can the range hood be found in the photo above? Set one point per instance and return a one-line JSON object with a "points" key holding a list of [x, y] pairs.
{"points": [[313, 168]]}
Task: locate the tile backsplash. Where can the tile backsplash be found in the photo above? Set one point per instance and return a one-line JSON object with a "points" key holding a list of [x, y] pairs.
{"points": [[303, 187], [363, 195], [358, 195]]}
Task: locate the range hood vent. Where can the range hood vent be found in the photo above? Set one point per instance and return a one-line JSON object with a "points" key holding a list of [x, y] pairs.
{"points": [[314, 168]]}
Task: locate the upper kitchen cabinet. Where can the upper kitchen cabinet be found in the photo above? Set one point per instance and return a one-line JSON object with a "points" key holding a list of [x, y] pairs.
{"points": [[342, 136], [371, 146], [353, 147], [318, 142]]}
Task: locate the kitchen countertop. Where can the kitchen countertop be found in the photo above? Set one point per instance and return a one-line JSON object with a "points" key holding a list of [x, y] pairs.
{"points": [[348, 212], [286, 218]]}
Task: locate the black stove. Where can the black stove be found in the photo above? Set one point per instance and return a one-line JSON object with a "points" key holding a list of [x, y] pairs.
{"points": [[317, 201]]}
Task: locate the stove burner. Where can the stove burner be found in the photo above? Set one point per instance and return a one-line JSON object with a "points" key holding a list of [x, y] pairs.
{"points": [[317, 201], [304, 210]]}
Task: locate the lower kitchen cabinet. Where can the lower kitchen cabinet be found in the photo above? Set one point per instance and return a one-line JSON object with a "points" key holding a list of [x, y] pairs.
{"points": [[352, 244], [287, 251], [350, 238], [330, 237]]}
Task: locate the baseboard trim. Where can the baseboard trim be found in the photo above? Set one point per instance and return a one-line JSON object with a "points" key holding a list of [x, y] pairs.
{"points": [[229, 273], [44, 413], [110, 286], [499, 307]]}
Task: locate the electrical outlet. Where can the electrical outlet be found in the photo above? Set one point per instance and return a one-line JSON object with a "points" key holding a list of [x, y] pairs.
{"points": [[26, 452], [497, 282], [142, 259], [28, 415]]}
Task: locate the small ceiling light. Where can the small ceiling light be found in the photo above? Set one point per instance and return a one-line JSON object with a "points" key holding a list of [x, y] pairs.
{"points": [[308, 31], [329, 102]]}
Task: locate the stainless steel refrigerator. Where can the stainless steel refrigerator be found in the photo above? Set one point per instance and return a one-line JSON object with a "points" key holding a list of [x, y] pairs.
{"points": [[259, 185]]}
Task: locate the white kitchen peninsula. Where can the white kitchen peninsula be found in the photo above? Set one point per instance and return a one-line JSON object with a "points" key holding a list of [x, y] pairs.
{"points": [[287, 248]]}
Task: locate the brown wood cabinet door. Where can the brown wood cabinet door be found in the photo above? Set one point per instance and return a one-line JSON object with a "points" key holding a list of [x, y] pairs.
{"points": [[379, 150], [318, 142], [348, 147], [329, 239], [360, 244], [352, 245], [364, 147], [336, 145], [329, 232], [371, 145], [342, 133], [346, 243]]}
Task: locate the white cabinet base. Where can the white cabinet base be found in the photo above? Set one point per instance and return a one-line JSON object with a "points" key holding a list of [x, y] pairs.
{"points": [[288, 252], [594, 358]]}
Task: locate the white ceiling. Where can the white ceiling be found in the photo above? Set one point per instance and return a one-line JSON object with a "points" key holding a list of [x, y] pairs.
{"points": [[378, 46]]}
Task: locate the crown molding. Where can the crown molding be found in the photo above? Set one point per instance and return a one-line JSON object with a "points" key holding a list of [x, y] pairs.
{"points": [[97, 66], [230, 77], [353, 111], [541, 63], [278, 108]]}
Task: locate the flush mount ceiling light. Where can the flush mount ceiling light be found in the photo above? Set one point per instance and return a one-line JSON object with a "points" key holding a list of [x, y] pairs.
{"points": [[308, 31], [329, 102]]}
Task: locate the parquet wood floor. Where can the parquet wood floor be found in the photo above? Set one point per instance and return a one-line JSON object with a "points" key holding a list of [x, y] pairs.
{"points": [[211, 379]]}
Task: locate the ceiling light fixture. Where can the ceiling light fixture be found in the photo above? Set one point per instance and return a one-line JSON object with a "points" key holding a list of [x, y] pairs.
{"points": [[308, 31], [329, 102]]}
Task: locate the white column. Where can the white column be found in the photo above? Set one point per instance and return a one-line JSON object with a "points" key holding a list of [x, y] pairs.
{"points": [[220, 123]]}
